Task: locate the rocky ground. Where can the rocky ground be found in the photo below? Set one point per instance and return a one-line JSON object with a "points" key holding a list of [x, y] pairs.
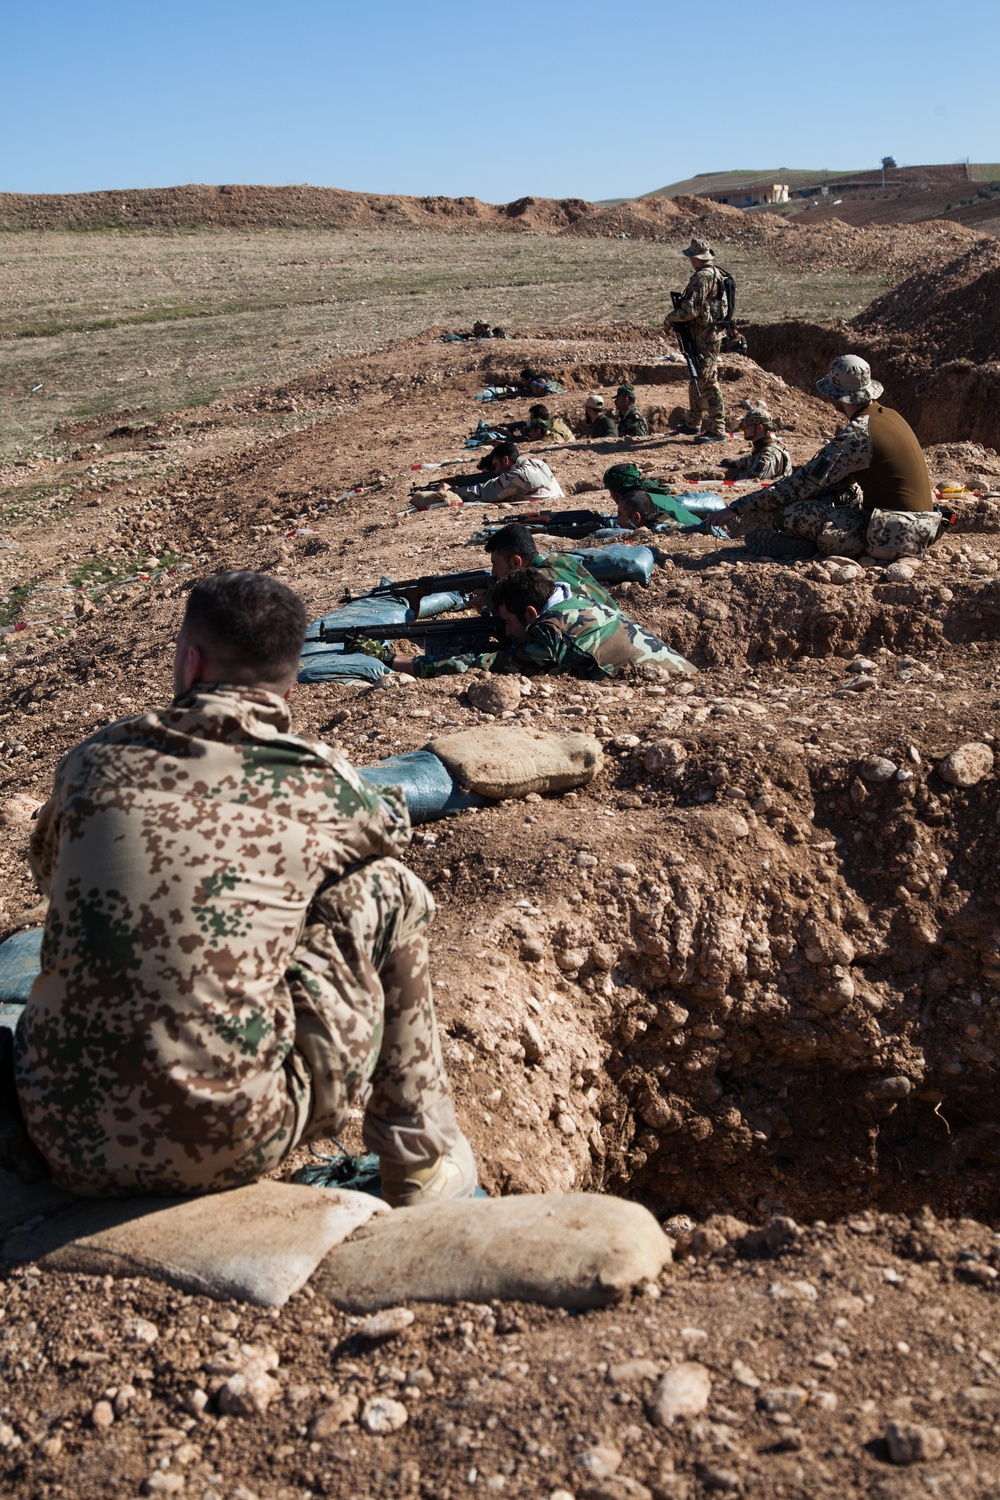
{"points": [[748, 975]]}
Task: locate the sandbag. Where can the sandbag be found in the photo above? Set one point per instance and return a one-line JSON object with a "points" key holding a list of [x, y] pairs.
{"points": [[499, 761], [570, 1250], [702, 503], [427, 785], [380, 609], [20, 961], [618, 564], [256, 1244], [322, 663]]}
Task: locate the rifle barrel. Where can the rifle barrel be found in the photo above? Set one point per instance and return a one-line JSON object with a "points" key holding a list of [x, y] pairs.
{"points": [[481, 627]]}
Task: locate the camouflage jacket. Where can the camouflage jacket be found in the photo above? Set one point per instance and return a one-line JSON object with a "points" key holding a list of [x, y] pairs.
{"points": [[573, 637], [633, 424], [767, 459], [702, 291], [180, 851], [526, 479], [562, 568]]}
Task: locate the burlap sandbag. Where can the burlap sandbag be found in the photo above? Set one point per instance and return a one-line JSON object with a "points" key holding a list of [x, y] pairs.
{"points": [[498, 761], [254, 1244], [561, 1249]]}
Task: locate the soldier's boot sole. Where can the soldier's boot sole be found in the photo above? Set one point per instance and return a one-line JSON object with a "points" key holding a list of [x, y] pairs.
{"points": [[441, 1180], [778, 547]]}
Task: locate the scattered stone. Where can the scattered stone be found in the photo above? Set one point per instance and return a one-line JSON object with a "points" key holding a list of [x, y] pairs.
{"points": [[248, 1393], [383, 1415], [139, 1331], [900, 572], [196, 1402], [18, 810], [570, 959], [600, 1462], [861, 664], [123, 1399], [913, 1443], [967, 765], [876, 768], [743, 1375], [782, 1398], [327, 1422], [630, 1371], [663, 755], [846, 574], [532, 1041], [162, 1482], [102, 1415], [386, 1324], [621, 1487], [626, 871], [725, 1480], [496, 695], [823, 1400], [684, 1391]]}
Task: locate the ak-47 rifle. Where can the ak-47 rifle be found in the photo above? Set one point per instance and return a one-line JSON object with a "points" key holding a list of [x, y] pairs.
{"points": [[689, 349], [470, 633], [415, 589], [564, 523]]}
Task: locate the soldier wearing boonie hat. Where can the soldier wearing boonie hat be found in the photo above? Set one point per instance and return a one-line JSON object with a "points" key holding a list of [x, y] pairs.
{"points": [[631, 422], [597, 423], [866, 491], [768, 459], [706, 415]]}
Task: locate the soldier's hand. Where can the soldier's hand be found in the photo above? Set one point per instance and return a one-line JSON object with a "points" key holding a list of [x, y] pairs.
{"points": [[724, 517], [362, 645]]}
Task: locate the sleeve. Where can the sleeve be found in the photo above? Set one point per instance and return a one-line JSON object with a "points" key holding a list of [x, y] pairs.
{"points": [[692, 302], [43, 846], [850, 452]]}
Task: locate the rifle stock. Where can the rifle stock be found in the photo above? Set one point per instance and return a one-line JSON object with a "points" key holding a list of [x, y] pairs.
{"points": [[478, 630], [687, 345]]}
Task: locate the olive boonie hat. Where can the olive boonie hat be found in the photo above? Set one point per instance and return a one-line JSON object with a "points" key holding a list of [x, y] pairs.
{"points": [[850, 380], [699, 249]]}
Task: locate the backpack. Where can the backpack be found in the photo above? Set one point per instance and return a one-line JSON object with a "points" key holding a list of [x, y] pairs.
{"points": [[723, 304]]}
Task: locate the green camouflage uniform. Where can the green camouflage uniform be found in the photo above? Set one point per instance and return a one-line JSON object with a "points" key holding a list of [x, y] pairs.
{"points": [[561, 568], [767, 460], [632, 424], [702, 292], [574, 637], [820, 503], [230, 955]]}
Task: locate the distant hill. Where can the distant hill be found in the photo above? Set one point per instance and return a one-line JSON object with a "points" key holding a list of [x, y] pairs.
{"points": [[719, 182]]}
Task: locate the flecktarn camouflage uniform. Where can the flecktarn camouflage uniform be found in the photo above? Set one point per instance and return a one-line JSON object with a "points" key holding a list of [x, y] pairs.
{"points": [[572, 636], [822, 504], [231, 953], [701, 294], [767, 460]]}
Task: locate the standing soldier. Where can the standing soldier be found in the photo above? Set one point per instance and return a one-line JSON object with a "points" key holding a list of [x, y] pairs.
{"points": [[768, 459], [631, 422], [703, 307]]}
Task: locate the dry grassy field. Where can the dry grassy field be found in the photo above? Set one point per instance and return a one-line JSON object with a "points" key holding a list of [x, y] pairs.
{"points": [[101, 322]]}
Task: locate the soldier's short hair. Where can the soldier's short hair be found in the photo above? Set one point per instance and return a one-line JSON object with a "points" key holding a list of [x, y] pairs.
{"points": [[526, 589], [255, 623], [541, 411], [506, 449], [513, 540], [640, 501]]}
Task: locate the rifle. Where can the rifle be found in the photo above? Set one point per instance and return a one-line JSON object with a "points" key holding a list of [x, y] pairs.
{"points": [[473, 633], [564, 523], [689, 348], [415, 589]]}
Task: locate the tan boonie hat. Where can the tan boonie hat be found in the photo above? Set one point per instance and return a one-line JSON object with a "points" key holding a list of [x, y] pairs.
{"points": [[850, 380], [699, 250], [755, 411], [596, 403]]}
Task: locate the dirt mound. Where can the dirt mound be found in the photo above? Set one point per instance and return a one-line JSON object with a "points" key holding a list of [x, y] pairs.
{"points": [[641, 219], [950, 312], [246, 207], [892, 250]]}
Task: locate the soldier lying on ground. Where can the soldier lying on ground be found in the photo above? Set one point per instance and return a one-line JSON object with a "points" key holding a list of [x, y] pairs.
{"points": [[552, 630], [514, 547], [643, 501], [232, 956], [866, 491], [768, 459], [597, 423], [631, 422], [515, 479]]}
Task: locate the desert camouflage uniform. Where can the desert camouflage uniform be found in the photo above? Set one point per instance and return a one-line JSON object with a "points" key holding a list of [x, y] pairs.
{"points": [[526, 479], [818, 501], [230, 955], [632, 424], [702, 291], [573, 637], [768, 459]]}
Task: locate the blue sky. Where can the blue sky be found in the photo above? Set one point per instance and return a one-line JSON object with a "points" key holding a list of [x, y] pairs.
{"points": [[587, 99]]}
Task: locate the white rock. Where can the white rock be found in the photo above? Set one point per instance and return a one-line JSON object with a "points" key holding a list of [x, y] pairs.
{"points": [[384, 1324], [248, 1393], [600, 1462], [967, 765], [140, 1331], [900, 572], [847, 574], [382, 1415], [782, 1398], [684, 1391], [743, 1375], [162, 1482], [877, 768]]}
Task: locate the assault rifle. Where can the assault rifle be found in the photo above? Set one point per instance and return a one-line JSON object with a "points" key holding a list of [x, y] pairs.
{"points": [[689, 349], [565, 523], [415, 589], [470, 633]]}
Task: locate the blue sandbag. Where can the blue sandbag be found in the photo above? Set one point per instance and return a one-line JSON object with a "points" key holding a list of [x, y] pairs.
{"points": [[702, 504], [381, 609], [618, 564], [426, 784], [440, 603], [323, 663], [20, 961]]}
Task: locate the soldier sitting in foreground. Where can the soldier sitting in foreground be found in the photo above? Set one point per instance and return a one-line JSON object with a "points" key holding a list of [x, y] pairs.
{"points": [[232, 955], [866, 491], [643, 501], [631, 422], [597, 423], [515, 479], [552, 630], [768, 459]]}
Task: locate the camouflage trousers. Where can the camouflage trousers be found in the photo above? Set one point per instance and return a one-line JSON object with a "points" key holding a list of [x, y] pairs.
{"points": [[365, 1028], [833, 520], [706, 411]]}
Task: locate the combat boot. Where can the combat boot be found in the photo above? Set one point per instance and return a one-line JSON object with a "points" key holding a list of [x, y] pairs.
{"points": [[440, 1180]]}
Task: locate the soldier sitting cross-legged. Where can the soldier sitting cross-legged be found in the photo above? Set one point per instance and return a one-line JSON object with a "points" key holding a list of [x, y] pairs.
{"points": [[232, 955]]}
